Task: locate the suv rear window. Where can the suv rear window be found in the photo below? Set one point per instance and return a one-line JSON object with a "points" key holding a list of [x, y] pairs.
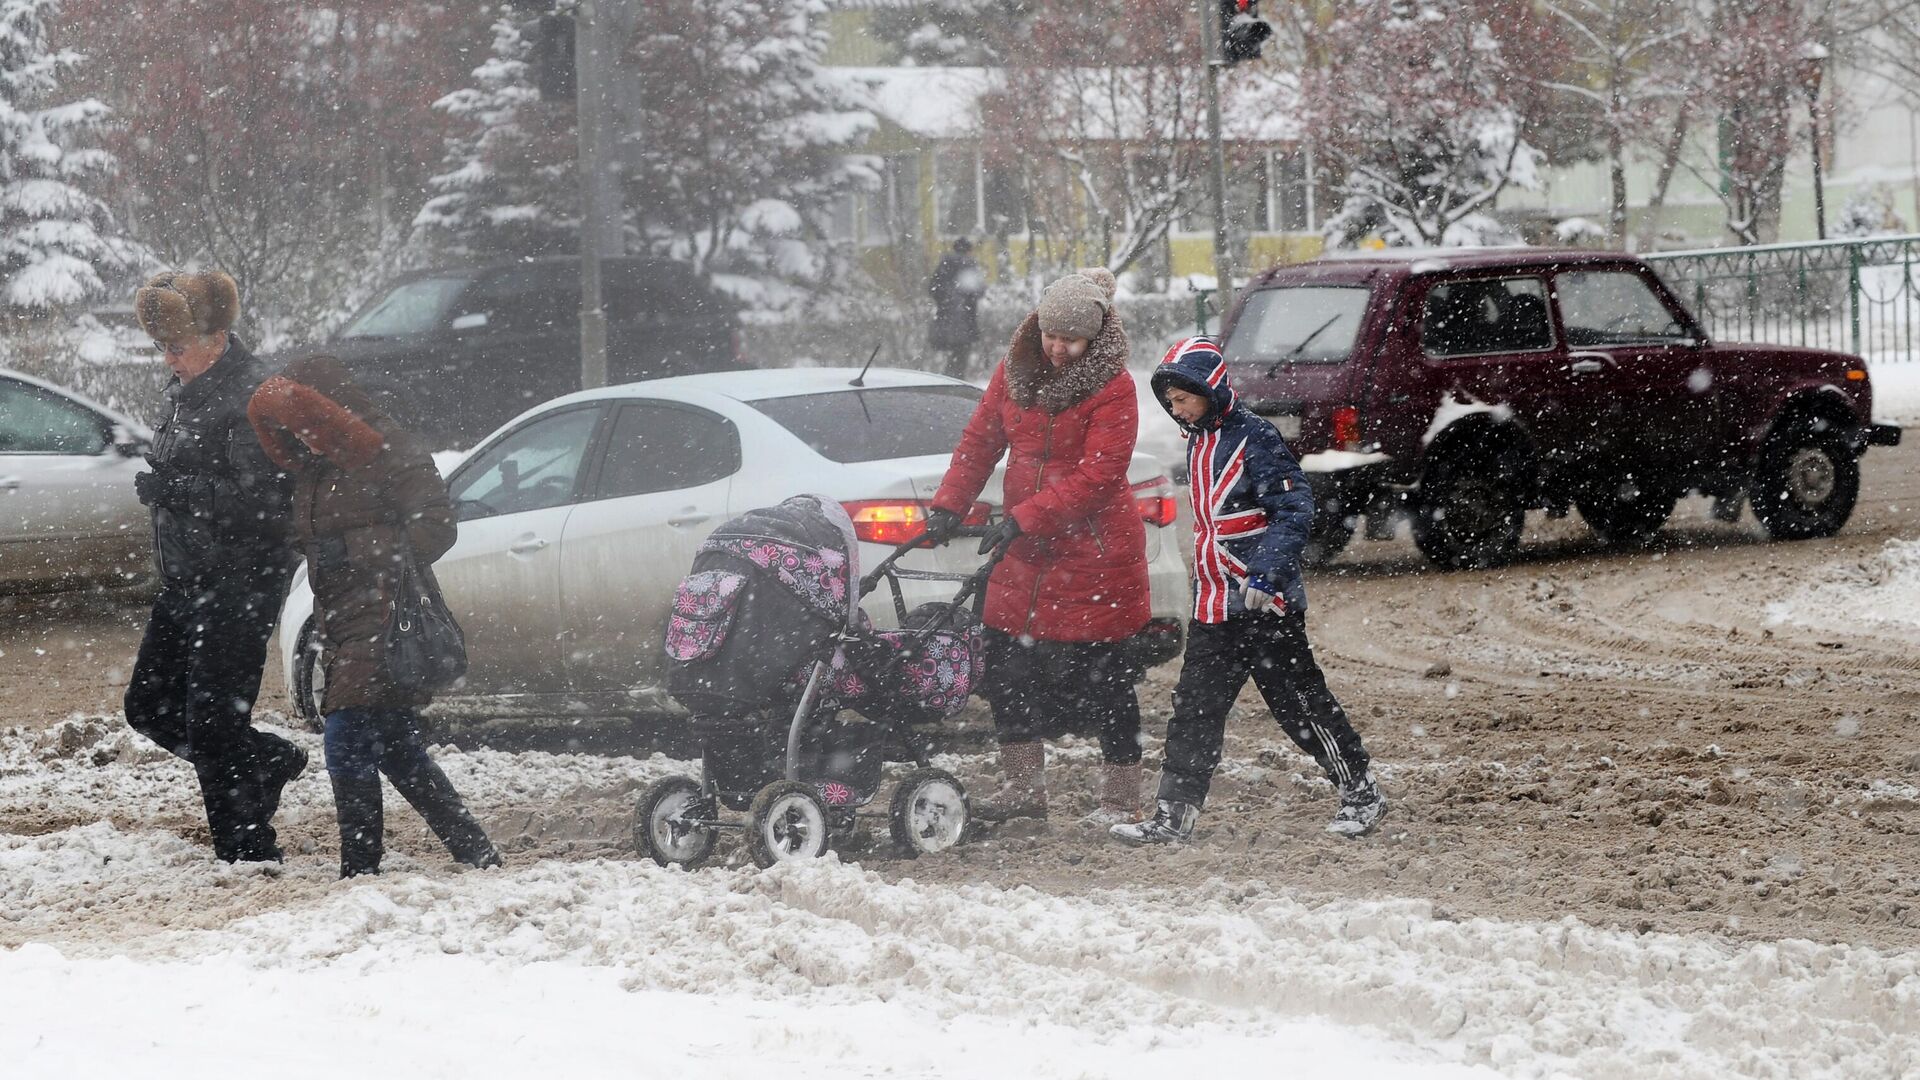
{"points": [[1306, 324], [416, 307], [871, 425]]}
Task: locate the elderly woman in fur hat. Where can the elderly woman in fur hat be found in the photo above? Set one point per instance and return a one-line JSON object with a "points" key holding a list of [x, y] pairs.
{"points": [[1073, 588], [364, 492]]}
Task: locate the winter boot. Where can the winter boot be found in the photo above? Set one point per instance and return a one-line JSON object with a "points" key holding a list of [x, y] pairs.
{"points": [[280, 761], [232, 796], [429, 791], [1023, 794], [1361, 808], [356, 802], [1171, 823], [1119, 796]]}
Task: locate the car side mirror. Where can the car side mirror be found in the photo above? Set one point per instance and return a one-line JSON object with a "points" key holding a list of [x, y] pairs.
{"points": [[126, 443], [473, 320]]}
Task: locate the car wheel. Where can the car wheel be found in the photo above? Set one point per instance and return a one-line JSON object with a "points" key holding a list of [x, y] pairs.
{"points": [[1625, 513], [1807, 480], [309, 688], [1470, 513]]}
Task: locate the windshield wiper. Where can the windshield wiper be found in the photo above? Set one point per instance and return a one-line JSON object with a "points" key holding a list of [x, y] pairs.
{"points": [[1304, 342]]}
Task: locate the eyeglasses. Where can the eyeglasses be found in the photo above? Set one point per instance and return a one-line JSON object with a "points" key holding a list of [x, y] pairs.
{"points": [[170, 348]]}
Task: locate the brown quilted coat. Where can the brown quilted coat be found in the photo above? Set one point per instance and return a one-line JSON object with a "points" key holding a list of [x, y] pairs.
{"points": [[364, 489]]}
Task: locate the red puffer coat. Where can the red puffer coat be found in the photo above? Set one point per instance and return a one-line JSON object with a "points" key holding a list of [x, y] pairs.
{"points": [[1078, 571]]}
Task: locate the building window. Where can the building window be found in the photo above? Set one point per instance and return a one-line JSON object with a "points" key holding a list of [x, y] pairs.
{"points": [[839, 217], [1248, 198], [1293, 209], [956, 192], [1003, 197], [892, 214]]}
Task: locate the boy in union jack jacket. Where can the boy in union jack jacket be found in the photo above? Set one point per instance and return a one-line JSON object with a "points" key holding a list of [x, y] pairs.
{"points": [[1251, 512]]}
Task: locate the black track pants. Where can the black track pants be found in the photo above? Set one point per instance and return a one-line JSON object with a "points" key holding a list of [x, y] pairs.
{"points": [[1273, 651]]}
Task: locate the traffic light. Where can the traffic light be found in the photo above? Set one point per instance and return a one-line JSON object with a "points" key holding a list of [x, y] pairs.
{"points": [[551, 56], [1242, 30]]}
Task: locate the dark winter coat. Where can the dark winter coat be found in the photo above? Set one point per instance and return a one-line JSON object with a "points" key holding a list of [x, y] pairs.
{"points": [[956, 287], [1251, 505], [1078, 571], [364, 491], [228, 515]]}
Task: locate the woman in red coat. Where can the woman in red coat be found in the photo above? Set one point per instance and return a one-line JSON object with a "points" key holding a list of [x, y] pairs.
{"points": [[1072, 590]]}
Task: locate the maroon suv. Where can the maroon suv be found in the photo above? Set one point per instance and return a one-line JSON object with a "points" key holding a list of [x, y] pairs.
{"points": [[1465, 387]]}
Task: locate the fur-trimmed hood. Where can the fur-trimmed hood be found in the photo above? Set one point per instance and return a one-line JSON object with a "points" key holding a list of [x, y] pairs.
{"points": [[1032, 381], [313, 408]]}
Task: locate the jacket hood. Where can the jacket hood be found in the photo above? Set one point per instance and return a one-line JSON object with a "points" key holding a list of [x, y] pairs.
{"points": [[1196, 365], [314, 408]]}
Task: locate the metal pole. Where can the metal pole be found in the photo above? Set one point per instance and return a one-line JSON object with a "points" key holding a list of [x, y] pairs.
{"points": [[590, 70], [1210, 32], [1819, 190]]}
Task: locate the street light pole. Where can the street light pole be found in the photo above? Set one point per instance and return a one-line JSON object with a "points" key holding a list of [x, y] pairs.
{"points": [[590, 68], [1813, 61], [1210, 31]]}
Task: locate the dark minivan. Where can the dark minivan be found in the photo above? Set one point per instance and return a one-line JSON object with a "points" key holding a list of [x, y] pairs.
{"points": [[1461, 388], [456, 352]]}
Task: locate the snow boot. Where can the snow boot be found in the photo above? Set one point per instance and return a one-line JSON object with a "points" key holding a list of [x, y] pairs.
{"points": [[233, 799], [1361, 808], [1171, 823], [1119, 796], [1023, 794], [281, 761], [356, 803]]}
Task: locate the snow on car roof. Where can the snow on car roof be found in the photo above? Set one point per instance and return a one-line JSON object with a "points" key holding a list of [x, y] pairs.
{"points": [[762, 383]]}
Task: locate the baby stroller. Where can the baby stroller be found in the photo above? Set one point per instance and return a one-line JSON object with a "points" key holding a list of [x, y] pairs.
{"points": [[769, 648]]}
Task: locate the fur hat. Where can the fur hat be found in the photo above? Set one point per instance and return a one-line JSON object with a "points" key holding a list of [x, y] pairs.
{"points": [[315, 406], [173, 306], [1076, 305]]}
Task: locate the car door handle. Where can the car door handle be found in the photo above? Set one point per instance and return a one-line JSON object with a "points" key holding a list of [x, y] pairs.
{"points": [[688, 516], [527, 546], [1589, 363]]}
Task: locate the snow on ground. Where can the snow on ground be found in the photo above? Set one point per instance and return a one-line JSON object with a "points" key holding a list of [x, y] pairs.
{"points": [[1883, 589], [134, 946], [1896, 388]]}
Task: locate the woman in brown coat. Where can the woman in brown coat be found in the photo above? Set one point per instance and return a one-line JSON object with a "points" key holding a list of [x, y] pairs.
{"points": [[364, 492]]}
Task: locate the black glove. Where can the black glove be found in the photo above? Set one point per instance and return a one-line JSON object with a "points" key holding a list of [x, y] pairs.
{"points": [[1002, 533], [163, 487], [941, 525]]}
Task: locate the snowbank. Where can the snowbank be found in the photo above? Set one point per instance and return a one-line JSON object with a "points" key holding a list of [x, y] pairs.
{"points": [[1896, 389], [1881, 590], [138, 946]]}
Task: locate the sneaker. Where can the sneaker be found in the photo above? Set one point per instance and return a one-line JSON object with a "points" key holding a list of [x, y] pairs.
{"points": [[1171, 823], [1361, 808]]}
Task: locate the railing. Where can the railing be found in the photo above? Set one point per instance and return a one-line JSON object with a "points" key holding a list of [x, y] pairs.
{"points": [[1857, 296]]}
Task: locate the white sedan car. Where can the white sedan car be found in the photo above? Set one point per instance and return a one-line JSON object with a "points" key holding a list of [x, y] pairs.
{"points": [[68, 515], [579, 518]]}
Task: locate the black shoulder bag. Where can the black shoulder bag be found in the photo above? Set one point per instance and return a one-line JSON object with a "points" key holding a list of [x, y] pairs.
{"points": [[426, 649]]}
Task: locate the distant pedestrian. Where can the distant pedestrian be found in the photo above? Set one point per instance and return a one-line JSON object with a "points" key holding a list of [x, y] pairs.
{"points": [[366, 495], [1072, 592], [1252, 511], [956, 287], [220, 511]]}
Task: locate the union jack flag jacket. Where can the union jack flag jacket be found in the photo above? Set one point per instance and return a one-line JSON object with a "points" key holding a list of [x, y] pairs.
{"points": [[1251, 505]]}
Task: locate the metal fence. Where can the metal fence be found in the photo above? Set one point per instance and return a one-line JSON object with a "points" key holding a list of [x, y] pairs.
{"points": [[1857, 296]]}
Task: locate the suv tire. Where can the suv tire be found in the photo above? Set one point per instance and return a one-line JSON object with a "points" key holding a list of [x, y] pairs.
{"points": [[1624, 513], [1470, 512], [1806, 481], [309, 679]]}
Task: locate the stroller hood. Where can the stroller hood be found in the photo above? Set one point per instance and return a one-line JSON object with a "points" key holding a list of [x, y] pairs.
{"points": [[807, 543]]}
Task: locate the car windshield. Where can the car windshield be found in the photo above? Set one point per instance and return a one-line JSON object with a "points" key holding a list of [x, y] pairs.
{"points": [[413, 308], [1307, 324], [872, 425]]}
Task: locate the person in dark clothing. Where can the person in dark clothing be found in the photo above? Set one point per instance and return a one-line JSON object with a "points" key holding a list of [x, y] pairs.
{"points": [[1252, 510], [365, 492], [221, 552], [956, 286]]}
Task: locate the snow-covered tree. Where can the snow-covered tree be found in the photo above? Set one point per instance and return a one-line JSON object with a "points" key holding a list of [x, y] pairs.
{"points": [[509, 187], [1423, 108], [57, 238], [741, 140]]}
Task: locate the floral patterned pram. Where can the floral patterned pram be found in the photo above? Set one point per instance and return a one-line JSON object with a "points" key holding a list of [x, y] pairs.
{"points": [[768, 646]]}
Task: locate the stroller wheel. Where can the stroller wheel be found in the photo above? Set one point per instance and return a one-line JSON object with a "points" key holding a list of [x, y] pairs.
{"points": [[787, 821], [661, 829], [929, 812]]}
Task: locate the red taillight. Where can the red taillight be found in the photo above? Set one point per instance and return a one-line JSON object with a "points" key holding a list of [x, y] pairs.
{"points": [[1346, 428], [1154, 499], [895, 521]]}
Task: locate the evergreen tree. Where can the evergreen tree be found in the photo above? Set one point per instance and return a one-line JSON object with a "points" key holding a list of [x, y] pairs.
{"points": [[57, 239], [510, 186]]}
